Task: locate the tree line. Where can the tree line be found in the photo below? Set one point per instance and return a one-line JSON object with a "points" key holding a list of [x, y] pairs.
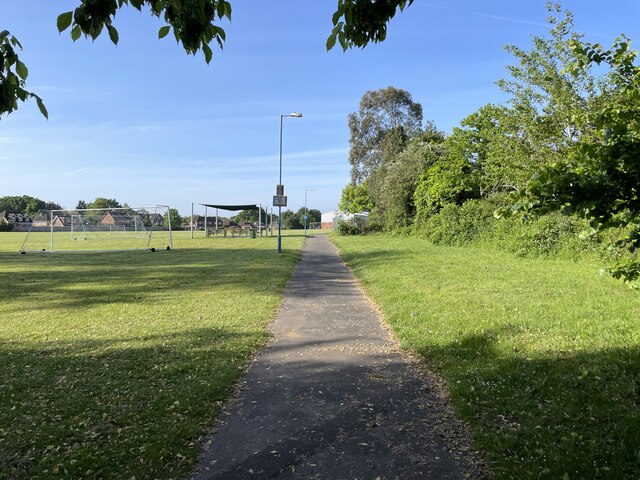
{"points": [[561, 157]]}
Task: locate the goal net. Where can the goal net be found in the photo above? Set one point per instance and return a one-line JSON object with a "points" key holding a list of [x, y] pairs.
{"points": [[99, 229]]}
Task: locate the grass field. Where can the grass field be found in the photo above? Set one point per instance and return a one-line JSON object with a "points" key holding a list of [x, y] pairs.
{"points": [[114, 364], [541, 357]]}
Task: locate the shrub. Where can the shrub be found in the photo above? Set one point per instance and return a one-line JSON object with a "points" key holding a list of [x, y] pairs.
{"points": [[358, 226], [6, 227]]}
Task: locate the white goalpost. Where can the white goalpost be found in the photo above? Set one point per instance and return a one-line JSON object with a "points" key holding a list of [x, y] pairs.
{"points": [[100, 230]]}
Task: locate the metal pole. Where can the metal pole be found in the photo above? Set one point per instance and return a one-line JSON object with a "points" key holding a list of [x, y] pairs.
{"points": [[51, 214], [305, 211], [192, 220], [260, 220], [280, 183]]}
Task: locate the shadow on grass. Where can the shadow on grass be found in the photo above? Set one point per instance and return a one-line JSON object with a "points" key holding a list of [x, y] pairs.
{"points": [[571, 413], [114, 408], [80, 280]]}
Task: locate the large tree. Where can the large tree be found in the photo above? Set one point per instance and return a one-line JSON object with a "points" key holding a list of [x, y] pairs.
{"points": [[195, 25], [385, 120]]}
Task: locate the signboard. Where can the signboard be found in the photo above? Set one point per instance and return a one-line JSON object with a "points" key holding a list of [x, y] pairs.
{"points": [[280, 190], [279, 200]]}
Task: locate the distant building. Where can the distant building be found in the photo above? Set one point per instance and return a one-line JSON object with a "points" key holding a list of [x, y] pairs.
{"points": [[329, 220], [21, 221]]}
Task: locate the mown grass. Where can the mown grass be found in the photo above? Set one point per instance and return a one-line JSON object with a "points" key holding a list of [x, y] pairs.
{"points": [[114, 364], [541, 357]]}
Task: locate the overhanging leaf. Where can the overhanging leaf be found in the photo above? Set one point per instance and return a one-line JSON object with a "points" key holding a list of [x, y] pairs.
{"points": [[21, 70], [41, 107], [76, 32], [331, 41], [64, 20], [113, 34], [164, 31]]}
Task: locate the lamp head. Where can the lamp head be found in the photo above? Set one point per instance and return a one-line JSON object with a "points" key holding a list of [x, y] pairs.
{"points": [[295, 114]]}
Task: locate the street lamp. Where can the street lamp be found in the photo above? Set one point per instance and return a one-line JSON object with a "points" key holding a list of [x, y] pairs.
{"points": [[280, 187], [306, 215]]}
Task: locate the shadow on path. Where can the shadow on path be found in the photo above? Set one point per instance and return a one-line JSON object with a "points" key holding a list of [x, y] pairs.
{"points": [[332, 398]]}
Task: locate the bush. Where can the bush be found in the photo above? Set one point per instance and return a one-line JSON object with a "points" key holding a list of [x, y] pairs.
{"points": [[6, 227], [551, 234], [358, 226], [473, 222], [460, 225]]}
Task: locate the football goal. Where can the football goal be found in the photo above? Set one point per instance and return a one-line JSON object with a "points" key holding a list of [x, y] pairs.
{"points": [[100, 230]]}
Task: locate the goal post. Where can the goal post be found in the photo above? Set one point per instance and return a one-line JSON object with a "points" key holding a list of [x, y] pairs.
{"points": [[100, 229]]}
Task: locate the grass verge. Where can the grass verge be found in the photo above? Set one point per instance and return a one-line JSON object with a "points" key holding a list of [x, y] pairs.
{"points": [[541, 357], [114, 364]]}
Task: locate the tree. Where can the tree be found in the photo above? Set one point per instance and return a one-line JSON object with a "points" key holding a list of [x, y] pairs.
{"points": [[448, 180], [101, 202], [194, 23], [395, 204], [81, 205], [598, 179], [386, 119], [172, 215], [312, 216], [290, 220], [250, 216], [355, 199], [26, 204], [546, 98]]}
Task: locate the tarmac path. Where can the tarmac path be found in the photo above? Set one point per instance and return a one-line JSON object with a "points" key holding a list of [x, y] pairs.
{"points": [[332, 397]]}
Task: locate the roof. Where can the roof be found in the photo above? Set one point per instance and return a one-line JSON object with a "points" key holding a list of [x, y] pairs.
{"points": [[232, 208]]}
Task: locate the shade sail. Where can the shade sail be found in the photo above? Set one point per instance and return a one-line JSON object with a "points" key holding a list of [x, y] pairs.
{"points": [[232, 207]]}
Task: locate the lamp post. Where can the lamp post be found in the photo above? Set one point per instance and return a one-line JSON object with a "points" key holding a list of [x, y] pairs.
{"points": [[280, 188], [306, 214]]}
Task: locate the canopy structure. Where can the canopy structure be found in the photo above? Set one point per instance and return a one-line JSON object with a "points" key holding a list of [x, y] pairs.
{"points": [[232, 208]]}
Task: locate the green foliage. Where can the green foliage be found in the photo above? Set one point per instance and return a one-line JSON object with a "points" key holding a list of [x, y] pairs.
{"points": [[26, 204], [250, 216], [355, 199], [548, 235], [348, 228], [101, 202], [6, 227], [173, 219], [457, 225], [386, 118], [598, 178], [399, 177], [357, 226], [291, 221], [13, 77], [357, 23], [491, 140], [448, 180], [193, 22], [544, 97]]}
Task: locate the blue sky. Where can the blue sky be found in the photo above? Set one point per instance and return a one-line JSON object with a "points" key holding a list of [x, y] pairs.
{"points": [[146, 124]]}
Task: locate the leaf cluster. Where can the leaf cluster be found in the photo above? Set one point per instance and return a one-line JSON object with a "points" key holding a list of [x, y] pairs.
{"points": [[358, 22], [192, 21], [13, 75]]}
